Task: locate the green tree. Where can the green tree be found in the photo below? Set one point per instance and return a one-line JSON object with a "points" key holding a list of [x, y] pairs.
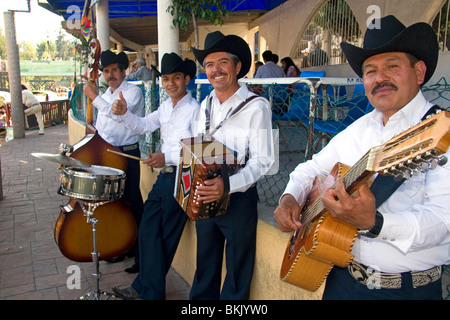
{"points": [[441, 25], [27, 51], [2, 45], [46, 50], [64, 48], [185, 11]]}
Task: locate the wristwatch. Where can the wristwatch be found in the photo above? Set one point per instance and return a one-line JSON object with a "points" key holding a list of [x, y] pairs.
{"points": [[376, 228]]}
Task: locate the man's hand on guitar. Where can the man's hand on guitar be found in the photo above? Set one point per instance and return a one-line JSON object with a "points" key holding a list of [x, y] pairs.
{"points": [[287, 214], [119, 106], [90, 90], [211, 190], [358, 211]]}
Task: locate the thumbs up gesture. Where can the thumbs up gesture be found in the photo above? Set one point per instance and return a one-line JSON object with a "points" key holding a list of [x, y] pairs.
{"points": [[119, 106]]}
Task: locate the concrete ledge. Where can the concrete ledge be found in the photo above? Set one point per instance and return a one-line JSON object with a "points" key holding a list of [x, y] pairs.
{"points": [[270, 246]]}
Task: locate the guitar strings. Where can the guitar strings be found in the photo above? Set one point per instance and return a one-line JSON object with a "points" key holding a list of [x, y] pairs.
{"points": [[314, 210]]}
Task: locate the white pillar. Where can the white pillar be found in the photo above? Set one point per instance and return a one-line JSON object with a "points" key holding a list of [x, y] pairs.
{"points": [[102, 24], [168, 34]]}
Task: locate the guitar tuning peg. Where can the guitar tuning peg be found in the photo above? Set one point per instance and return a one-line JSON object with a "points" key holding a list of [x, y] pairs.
{"points": [[407, 174], [442, 159], [433, 163]]}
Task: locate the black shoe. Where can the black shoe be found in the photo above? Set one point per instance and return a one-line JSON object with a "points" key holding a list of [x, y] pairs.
{"points": [[116, 259], [133, 269], [126, 293]]}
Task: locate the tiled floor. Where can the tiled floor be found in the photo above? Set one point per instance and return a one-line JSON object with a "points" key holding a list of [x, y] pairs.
{"points": [[31, 264]]}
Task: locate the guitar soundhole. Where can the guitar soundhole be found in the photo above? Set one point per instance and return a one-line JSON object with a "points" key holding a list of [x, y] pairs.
{"points": [[293, 242]]}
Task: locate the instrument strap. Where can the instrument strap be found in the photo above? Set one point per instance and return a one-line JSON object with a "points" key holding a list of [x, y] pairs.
{"points": [[230, 113], [384, 186]]}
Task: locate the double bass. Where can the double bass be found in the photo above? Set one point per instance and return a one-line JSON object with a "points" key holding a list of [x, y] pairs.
{"points": [[116, 232]]}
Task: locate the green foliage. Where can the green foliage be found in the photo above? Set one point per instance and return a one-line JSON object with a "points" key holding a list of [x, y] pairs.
{"points": [[184, 11]]}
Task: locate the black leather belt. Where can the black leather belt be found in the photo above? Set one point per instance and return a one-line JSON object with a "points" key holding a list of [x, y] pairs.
{"points": [[129, 147]]}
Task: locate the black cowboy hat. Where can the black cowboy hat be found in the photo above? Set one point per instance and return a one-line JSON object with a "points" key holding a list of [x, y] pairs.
{"points": [[171, 62], [108, 57], [217, 42], [418, 39]]}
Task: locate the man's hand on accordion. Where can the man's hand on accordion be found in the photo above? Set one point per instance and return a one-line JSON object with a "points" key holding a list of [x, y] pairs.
{"points": [[210, 191]]}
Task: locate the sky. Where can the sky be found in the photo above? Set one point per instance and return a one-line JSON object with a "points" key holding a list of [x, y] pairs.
{"points": [[34, 26]]}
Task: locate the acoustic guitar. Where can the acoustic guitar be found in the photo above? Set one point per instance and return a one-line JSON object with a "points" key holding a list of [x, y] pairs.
{"points": [[325, 241]]}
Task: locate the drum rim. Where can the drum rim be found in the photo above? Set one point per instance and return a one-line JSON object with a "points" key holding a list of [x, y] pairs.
{"points": [[79, 172]]}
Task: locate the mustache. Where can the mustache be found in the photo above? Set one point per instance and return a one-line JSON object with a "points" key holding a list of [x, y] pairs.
{"points": [[215, 74], [384, 84], [110, 78]]}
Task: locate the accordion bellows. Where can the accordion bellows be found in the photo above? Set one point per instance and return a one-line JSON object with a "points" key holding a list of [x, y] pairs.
{"points": [[199, 161]]}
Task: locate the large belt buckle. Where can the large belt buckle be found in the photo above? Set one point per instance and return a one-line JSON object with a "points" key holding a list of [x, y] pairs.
{"points": [[167, 169]]}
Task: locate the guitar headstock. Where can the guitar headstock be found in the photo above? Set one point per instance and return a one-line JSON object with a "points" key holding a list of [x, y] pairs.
{"points": [[416, 150], [94, 58]]}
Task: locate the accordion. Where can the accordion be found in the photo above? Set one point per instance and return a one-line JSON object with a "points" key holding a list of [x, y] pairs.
{"points": [[199, 161]]}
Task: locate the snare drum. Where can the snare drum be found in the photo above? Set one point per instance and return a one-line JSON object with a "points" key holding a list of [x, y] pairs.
{"points": [[96, 183]]}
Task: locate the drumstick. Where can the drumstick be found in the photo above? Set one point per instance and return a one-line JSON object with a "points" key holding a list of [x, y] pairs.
{"points": [[149, 155], [125, 155]]}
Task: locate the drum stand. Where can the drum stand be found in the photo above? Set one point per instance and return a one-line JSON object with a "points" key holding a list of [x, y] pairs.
{"points": [[96, 294]]}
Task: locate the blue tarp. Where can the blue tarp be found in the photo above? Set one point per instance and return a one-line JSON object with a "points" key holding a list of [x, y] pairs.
{"points": [[142, 8]]}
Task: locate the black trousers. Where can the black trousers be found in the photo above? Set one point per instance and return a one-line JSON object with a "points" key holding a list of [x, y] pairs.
{"points": [[160, 231], [341, 285], [238, 227], [132, 192]]}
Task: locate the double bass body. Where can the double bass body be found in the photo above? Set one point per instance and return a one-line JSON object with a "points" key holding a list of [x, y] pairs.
{"points": [[116, 230]]}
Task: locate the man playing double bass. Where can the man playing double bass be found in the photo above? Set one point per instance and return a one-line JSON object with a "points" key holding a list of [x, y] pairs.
{"points": [[113, 130]]}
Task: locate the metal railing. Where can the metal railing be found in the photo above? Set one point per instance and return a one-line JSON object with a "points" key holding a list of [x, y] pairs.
{"points": [[53, 112]]}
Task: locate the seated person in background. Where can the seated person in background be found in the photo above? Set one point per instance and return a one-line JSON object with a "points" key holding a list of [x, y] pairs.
{"points": [[269, 69], [33, 107], [140, 71]]}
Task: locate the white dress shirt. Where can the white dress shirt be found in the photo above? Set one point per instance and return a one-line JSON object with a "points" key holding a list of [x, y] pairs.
{"points": [[176, 123], [249, 132], [110, 126], [415, 233]]}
